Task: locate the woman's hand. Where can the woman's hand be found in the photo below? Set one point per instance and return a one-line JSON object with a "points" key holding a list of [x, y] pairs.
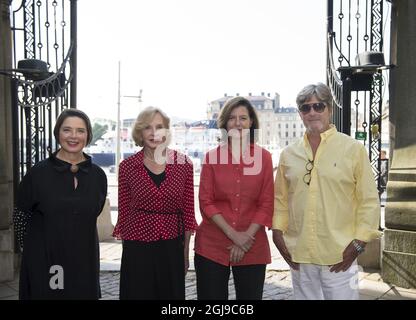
{"points": [[236, 253], [243, 240]]}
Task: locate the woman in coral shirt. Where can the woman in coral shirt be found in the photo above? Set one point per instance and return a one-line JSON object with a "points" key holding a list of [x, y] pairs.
{"points": [[236, 202], [156, 214]]}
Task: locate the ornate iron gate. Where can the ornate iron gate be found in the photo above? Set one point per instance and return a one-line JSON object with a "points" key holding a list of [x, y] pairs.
{"points": [[44, 34], [354, 27]]}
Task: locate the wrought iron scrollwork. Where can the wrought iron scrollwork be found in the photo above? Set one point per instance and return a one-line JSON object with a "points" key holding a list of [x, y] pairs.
{"points": [[40, 30], [354, 26], [35, 94]]}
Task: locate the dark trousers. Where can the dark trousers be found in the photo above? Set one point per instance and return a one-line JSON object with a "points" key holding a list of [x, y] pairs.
{"points": [[212, 280], [153, 270]]}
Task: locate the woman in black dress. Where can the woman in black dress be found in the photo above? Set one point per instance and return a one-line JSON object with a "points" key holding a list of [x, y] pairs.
{"points": [[58, 203]]}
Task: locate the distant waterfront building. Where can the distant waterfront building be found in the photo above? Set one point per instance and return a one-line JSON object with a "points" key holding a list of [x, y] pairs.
{"points": [[279, 126]]}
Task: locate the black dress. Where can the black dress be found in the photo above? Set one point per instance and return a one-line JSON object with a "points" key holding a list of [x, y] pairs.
{"points": [[144, 265], [56, 227]]}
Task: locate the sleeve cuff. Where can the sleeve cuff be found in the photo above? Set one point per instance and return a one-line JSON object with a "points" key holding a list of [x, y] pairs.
{"points": [[263, 219], [367, 235], [210, 211]]}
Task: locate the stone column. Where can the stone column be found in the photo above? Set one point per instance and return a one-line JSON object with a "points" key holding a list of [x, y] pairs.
{"points": [[399, 254], [6, 160]]}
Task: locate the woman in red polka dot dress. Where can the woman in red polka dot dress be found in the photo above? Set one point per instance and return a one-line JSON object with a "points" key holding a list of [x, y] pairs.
{"points": [[236, 201], [156, 213]]}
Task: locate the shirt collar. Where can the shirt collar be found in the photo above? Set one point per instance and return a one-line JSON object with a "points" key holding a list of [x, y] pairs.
{"points": [[324, 135], [61, 165], [328, 133]]}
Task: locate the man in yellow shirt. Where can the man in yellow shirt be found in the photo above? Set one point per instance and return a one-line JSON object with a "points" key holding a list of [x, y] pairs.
{"points": [[326, 203]]}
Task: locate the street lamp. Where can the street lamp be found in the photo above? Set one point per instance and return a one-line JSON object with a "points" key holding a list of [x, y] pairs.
{"points": [[118, 137]]}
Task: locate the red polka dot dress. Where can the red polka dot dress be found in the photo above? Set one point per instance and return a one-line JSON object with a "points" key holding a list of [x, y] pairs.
{"points": [[146, 212], [151, 222]]}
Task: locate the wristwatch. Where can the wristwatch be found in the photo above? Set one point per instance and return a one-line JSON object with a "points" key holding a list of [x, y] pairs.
{"points": [[360, 249]]}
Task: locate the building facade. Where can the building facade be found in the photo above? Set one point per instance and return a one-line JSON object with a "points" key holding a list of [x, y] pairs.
{"points": [[279, 126]]}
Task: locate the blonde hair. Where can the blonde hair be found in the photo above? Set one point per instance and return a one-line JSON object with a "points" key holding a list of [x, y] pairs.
{"points": [[143, 120]]}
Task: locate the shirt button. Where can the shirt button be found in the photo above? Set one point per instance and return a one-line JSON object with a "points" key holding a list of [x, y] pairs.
{"points": [[237, 195], [236, 209], [238, 181]]}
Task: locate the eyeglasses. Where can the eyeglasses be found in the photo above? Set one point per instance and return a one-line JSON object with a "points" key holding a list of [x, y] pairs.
{"points": [[307, 176], [317, 107]]}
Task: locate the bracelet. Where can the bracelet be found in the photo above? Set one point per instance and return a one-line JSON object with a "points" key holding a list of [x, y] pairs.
{"points": [[360, 249]]}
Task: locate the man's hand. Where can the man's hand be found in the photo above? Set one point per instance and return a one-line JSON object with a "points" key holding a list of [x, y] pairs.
{"points": [[281, 246], [236, 253], [349, 255]]}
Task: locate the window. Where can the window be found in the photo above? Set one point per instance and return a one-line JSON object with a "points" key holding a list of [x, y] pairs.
{"points": [[287, 142], [287, 126], [294, 126], [279, 126], [287, 134], [294, 134]]}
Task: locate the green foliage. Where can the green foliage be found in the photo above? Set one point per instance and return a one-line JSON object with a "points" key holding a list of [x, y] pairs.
{"points": [[98, 131]]}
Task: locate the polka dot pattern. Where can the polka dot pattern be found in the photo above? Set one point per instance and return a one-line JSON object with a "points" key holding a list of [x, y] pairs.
{"points": [[20, 221], [148, 213]]}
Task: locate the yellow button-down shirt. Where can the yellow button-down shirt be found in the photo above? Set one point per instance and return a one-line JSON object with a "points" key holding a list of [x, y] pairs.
{"points": [[340, 204]]}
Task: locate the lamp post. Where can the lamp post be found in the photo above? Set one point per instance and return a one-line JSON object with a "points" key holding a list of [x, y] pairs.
{"points": [[118, 136], [118, 127]]}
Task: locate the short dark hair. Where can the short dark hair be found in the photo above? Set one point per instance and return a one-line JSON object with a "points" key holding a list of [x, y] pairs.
{"points": [[229, 106], [72, 113]]}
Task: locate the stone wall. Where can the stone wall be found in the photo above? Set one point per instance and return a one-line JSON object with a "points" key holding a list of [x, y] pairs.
{"points": [[399, 254], [6, 161]]}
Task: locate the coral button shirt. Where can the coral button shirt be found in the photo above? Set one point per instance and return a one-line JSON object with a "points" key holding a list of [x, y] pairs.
{"points": [[242, 192]]}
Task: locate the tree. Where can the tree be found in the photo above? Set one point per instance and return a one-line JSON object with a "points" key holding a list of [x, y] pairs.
{"points": [[98, 131]]}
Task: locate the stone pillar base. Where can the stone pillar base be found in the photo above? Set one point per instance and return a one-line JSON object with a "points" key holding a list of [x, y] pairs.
{"points": [[104, 226], [399, 258], [399, 269], [6, 255]]}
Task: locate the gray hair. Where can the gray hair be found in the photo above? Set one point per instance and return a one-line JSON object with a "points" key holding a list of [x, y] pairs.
{"points": [[319, 90]]}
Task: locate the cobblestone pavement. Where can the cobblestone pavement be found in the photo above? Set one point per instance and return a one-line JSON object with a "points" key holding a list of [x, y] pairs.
{"points": [[277, 286]]}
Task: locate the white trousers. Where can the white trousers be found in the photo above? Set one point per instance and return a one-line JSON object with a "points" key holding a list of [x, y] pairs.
{"points": [[315, 282]]}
